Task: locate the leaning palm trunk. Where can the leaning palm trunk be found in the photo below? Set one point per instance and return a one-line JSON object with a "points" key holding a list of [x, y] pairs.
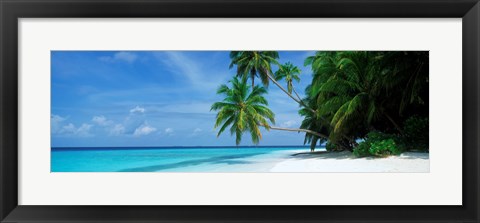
{"points": [[300, 130], [316, 136], [301, 102], [299, 98], [286, 92]]}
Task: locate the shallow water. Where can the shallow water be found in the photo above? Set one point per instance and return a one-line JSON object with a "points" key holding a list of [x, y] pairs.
{"points": [[231, 159]]}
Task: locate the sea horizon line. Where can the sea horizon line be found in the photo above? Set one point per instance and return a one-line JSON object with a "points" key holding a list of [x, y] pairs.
{"points": [[166, 147]]}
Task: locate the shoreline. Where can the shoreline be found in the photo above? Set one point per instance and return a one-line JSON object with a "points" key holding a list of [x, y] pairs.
{"points": [[292, 160], [346, 162]]}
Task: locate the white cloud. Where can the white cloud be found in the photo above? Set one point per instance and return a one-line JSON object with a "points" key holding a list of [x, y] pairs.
{"points": [[83, 130], [59, 128], [196, 131], [57, 118], [195, 72], [289, 123], [120, 56], [56, 122], [101, 121], [137, 109], [70, 129], [118, 129], [128, 57], [169, 130], [144, 129]]}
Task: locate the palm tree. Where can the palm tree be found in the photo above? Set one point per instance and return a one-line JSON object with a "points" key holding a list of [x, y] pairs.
{"points": [[289, 72], [360, 90], [253, 64], [243, 110], [312, 122], [246, 111], [346, 86], [351, 94]]}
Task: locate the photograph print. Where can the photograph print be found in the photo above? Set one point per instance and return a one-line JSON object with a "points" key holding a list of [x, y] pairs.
{"points": [[240, 111]]}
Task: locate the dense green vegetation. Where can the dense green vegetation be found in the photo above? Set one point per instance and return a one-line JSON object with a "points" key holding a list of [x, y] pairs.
{"points": [[368, 102]]}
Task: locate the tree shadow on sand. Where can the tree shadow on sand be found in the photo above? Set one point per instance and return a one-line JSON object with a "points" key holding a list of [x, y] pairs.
{"points": [[324, 155], [229, 160], [348, 155]]}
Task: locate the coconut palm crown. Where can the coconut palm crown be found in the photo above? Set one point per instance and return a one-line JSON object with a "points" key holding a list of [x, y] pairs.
{"points": [[289, 72], [243, 110], [253, 64]]}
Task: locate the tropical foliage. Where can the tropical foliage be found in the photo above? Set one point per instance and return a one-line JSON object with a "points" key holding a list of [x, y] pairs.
{"points": [[354, 96], [361, 91], [253, 64]]}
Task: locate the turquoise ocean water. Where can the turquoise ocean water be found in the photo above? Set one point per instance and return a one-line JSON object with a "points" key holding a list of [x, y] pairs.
{"points": [[173, 159]]}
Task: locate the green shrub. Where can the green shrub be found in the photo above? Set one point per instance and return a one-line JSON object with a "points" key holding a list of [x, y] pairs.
{"points": [[384, 148], [362, 149], [379, 144]]}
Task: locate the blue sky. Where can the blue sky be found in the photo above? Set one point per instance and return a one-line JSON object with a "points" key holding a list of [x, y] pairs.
{"points": [[154, 98]]}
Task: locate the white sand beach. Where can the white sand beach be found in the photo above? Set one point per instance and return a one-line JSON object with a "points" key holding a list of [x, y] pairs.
{"points": [[408, 162]]}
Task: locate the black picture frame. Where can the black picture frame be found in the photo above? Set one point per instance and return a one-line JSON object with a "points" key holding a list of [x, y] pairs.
{"points": [[12, 10]]}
